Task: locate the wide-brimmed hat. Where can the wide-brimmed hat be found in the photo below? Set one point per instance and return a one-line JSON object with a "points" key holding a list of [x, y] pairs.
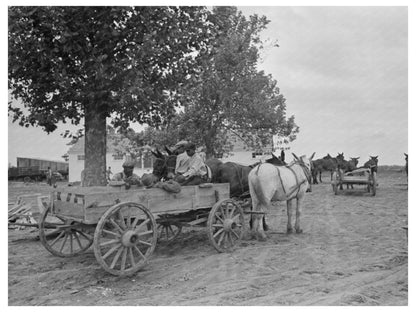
{"points": [[128, 164], [180, 144], [190, 146]]}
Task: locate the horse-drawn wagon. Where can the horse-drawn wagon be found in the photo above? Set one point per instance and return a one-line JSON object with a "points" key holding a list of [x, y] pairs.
{"points": [[361, 176], [124, 225]]}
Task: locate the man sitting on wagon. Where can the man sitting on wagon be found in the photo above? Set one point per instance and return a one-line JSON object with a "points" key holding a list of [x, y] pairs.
{"points": [[193, 170], [127, 175]]}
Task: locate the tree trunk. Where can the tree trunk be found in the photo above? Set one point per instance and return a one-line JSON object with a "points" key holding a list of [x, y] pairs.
{"points": [[95, 146]]}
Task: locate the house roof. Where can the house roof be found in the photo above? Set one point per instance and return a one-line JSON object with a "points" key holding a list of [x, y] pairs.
{"points": [[78, 148]]}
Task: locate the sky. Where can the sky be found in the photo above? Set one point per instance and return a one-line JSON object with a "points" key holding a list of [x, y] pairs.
{"points": [[343, 72]]}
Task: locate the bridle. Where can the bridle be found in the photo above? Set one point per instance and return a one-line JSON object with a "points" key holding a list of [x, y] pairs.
{"points": [[306, 171], [164, 168]]}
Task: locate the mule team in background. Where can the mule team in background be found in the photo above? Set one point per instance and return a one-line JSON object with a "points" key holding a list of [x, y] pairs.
{"points": [[331, 164]]}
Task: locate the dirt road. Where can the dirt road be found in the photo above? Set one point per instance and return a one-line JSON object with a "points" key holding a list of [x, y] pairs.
{"points": [[353, 252]]}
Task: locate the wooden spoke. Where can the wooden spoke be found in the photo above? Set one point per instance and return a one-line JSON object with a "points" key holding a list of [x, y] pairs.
{"points": [[112, 250], [142, 224], [131, 256], [139, 252], [119, 217], [115, 259], [63, 243], [71, 242], [236, 235], [110, 242], [145, 233], [221, 238], [78, 240], [123, 259], [216, 225], [145, 243], [56, 239], [111, 233], [218, 232], [116, 225]]}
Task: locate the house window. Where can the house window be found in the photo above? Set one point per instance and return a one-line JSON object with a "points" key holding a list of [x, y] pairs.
{"points": [[118, 156], [81, 157]]}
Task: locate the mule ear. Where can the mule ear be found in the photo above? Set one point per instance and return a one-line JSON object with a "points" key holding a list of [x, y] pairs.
{"points": [[168, 150], [160, 155], [405, 154], [282, 155], [296, 157], [310, 158], [154, 154]]}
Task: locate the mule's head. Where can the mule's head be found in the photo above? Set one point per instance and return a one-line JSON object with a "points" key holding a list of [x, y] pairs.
{"points": [[340, 156], [170, 166], [372, 163], [307, 166], [164, 165], [354, 160], [327, 156]]}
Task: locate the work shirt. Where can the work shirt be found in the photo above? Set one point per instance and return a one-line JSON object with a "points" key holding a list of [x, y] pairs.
{"points": [[182, 163], [121, 176], [196, 167]]}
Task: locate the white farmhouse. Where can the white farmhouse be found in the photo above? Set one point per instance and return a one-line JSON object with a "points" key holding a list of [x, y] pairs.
{"points": [[115, 160]]}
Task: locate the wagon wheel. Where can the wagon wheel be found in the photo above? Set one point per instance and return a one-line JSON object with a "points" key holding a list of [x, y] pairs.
{"points": [[63, 237], [27, 179], [167, 231], [225, 225], [125, 238]]}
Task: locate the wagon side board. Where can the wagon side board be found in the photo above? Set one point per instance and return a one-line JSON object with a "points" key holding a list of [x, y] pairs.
{"points": [[87, 205]]}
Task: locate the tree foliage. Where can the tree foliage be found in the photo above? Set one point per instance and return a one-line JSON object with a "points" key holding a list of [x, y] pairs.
{"points": [[229, 94], [127, 63]]}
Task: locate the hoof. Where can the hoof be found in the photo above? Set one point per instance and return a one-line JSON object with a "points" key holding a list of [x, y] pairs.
{"points": [[299, 231], [265, 227], [261, 237], [289, 231]]}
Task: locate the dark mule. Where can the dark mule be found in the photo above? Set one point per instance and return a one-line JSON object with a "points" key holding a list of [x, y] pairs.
{"points": [[327, 163], [346, 166], [372, 163]]}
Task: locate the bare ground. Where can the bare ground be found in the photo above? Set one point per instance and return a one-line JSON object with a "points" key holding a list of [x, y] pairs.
{"points": [[353, 252]]}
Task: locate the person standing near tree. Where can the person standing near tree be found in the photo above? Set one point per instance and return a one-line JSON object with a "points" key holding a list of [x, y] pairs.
{"points": [[109, 173], [49, 176]]}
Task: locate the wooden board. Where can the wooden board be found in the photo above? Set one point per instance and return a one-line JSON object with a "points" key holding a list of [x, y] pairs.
{"points": [[88, 204]]}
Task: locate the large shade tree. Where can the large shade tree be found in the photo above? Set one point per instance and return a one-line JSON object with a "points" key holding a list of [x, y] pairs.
{"points": [[230, 94], [92, 63]]}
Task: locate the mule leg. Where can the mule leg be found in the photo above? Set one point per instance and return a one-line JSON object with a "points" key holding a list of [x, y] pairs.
{"points": [[261, 236], [289, 208], [298, 213], [265, 226]]}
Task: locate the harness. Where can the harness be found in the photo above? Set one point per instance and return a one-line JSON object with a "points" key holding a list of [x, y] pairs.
{"points": [[305, 170]]}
